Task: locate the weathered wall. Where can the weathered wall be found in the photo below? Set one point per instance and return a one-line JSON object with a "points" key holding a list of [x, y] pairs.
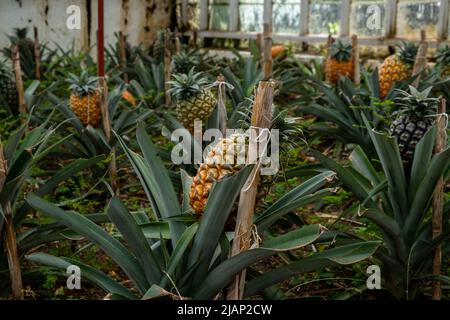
{"points": [[139, 19]]}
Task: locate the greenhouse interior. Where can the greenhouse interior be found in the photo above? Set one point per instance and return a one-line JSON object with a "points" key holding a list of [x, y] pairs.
{"points": [[224, 150]]}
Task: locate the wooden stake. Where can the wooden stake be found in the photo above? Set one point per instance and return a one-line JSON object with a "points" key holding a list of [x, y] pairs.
{"points": [[421, 59], [167, 66], [107, 130], [10, 237], [177, 41], [355, 57], [438, 201], [37, 53], [261, 118], [259, 46], [123, 56], [267, 51], [222, 111], [19, 82]]}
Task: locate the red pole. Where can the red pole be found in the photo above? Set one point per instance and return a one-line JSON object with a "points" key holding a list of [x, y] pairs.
{"points": [[101, 40]]}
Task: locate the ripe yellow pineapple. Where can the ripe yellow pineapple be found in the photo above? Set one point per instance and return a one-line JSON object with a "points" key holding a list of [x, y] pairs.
{"points": [[397, 67], [193, 101], [226, 157], [85, 98], [339, 63]]}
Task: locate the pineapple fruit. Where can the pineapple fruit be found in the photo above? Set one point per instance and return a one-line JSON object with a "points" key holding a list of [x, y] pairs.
{"points": [[226, 157], [184, 61], [8, 89], [85, 98], [397, 67], [193, 102], [414, 117], [26, 50], [339, 63], [443, 60]]}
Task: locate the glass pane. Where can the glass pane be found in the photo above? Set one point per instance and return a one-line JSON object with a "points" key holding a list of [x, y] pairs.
{"points": [[415, 15], [219, 15], [251, 15], [367, 17], [286, 16], [324, 16]]}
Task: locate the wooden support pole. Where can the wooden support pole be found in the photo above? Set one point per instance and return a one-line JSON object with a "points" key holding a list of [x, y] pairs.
{"points": [[108, 133], [438, 201], [10, 236], [267, 51], [355, 57], [221, 98], [421, 58], [19, 81], [123, 56], [261, 118], [176, 39], [259, 46], [37, 53], [167, 66]]}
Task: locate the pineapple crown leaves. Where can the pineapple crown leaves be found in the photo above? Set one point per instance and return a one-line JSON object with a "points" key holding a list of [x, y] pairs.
{"points": [[443, 55], [83, 85], [21, 33], [407, 52], [341, 51], [417, 103], [184, 61], [184, 86]]}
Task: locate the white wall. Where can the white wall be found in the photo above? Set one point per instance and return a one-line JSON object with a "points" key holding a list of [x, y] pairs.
{"points": [[139, 19]]}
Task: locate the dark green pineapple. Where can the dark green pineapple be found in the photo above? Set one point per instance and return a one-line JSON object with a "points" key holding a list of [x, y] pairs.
{"points": [[26, 50], [193, 101], [443, 60], [415, 115], [8, 90], [185, 61]]}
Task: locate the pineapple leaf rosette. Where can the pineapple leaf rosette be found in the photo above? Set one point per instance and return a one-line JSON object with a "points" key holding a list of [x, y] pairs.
{"points": [[193, 100]]}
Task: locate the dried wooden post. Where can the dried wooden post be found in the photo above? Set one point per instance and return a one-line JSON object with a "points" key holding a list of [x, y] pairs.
{"points": [[37, 53], [19, 82], [438, 201], [259, 41], [355, 57], [107, 130], [261, 118], [222, 111], [176, 39], [421, 58], [10, 237], [167, 66], [123, 56], [267, 51]]}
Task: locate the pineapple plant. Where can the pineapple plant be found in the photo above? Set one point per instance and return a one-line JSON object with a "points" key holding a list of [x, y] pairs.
{"points": [[193, 102], [26, 50], [8, 86], [184, 61], [339, 63], [414, 117], [397, 67], [226, 157], [85, 98], [443, 60]]}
